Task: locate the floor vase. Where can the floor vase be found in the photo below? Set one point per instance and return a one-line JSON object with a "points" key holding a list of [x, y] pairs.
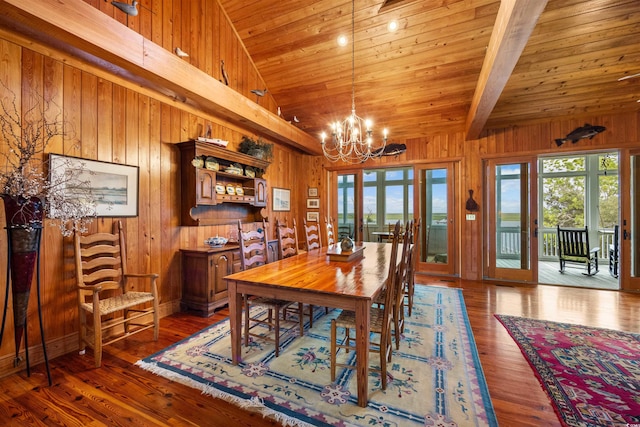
{"points": [[24, 230]]}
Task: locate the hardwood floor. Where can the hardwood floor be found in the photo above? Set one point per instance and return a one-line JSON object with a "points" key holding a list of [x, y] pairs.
{"points": [[120, 394]]}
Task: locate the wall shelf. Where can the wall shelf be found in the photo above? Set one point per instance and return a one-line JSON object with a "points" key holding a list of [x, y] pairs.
{"points": [[202, 204]]}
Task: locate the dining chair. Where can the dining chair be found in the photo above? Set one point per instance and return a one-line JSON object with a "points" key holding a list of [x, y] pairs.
{"points": [[288, 247], [331, 233], [409, 286], [253, 253], [313, 242], [403, 277], [312, 236], [381, 321], [389, 236], [406, 237], [106, 288]]}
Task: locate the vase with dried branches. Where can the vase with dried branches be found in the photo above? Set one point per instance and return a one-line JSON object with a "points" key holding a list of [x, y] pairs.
{"points": [[30, 194]]}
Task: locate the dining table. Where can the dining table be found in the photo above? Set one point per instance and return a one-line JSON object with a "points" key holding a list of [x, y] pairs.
{"points": [[315, 277]]}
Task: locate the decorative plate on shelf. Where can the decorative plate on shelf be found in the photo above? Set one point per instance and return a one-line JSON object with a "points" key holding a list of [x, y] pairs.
{"points": [[239, 191], [250, 172], [211, 163], [198, 162], [231, 190], [233, 170], [220, 189]]}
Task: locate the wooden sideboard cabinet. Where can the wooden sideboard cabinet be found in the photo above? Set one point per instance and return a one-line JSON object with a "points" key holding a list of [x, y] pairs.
{"points": [[203, 269]]}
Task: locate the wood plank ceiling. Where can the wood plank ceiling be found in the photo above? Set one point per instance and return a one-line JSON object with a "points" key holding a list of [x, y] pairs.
{"points": [[421, 79]]}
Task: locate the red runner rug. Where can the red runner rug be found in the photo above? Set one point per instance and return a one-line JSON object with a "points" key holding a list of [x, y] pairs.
{"points": [[591, 375]]}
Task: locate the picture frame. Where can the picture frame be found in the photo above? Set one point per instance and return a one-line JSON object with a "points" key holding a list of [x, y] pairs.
{"points": [[114, 186], [313, 203], [281, 199], [312, 192], [313, 216]]}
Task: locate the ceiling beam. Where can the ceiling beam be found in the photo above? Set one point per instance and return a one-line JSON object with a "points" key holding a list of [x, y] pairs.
{"points": [[514, 24], [83, 31]]}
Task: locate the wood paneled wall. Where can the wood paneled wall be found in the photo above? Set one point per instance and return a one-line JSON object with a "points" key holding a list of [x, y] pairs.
{"points": [[114, 121]]}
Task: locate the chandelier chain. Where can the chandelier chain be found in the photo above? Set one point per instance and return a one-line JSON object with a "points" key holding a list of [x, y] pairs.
{"points": [[348, 142]]}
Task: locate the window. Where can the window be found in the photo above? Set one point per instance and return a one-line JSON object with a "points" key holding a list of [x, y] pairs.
{"points": [[388, 196], [346, 201]]}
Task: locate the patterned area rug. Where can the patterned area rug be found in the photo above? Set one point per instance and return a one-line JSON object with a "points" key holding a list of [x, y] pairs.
{"points": [[434, 380], [591, 375]]}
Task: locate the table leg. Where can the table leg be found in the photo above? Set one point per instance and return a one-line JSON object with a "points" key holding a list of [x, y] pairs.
{"points": [[363, 326], [235, 320]]}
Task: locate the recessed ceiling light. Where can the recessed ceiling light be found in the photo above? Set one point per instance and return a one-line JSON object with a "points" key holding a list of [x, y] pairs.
{"points": [[392, 26], [342, 40]]}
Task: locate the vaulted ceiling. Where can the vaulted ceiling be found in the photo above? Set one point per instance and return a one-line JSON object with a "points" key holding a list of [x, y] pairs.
{"points": [[427, 77]]}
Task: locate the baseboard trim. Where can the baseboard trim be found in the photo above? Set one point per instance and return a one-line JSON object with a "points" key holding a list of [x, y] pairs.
{"points": [[59, 346]]}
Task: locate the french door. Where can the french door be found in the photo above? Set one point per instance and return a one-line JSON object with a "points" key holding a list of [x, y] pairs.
{"points": [[510, 239], [437, 212], [629, 238]]}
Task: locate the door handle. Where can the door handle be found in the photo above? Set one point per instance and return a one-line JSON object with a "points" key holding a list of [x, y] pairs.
{"points": [[625, 235]]}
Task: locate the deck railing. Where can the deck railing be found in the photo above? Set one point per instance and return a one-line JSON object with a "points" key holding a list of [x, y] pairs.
{"points": [[508, 244]]}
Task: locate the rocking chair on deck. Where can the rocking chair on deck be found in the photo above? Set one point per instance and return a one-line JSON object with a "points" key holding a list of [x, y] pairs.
{"points": [[573, 246]]}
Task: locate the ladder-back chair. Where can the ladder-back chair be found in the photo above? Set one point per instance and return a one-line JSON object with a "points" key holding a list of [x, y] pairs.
{"points": [[105, 288], [331, 233], [409, 289], [288, 247], [312, 235], [253, 253], [381, 321]]}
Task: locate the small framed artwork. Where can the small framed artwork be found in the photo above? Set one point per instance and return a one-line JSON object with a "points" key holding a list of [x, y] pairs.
{"points": [[312, 192], [113, 186], [281, 199], [313, 203], [313, 216]]}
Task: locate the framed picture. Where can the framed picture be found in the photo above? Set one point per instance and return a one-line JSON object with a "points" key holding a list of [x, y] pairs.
{"points": [[114, 186], [313, 203], [281, 199], [312, 192], [313, 216]]}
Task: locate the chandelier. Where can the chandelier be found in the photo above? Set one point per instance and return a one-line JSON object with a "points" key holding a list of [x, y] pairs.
{"points": [[352, 139]]}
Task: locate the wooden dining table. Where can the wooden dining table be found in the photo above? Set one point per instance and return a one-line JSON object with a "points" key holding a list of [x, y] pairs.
{"points": [[313, 278]]}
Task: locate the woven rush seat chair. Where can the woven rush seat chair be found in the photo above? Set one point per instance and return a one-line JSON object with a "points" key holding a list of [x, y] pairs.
{"points": [[409, 285], [105, 287], [381, 321], [288, 247], [313, 243], [312, 237], [399, 292], [253, 253]]}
